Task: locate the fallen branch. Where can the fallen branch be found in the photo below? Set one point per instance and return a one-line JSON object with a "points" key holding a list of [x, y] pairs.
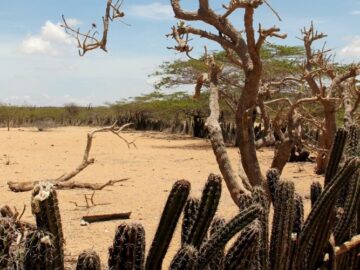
{"points": [[92, 186], [86, 161], [106, 217]]}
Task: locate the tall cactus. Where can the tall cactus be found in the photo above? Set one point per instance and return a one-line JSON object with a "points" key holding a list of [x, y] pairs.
{"points": [[353, 145], [316, 231], [208, 205], [299, 214], [191, 210], [284, 215], [242, 253], [217, 262], [40, 253], [272, 178], [259, 197], [336, 153], [184, 259], [88, 260], [219, 239], [44, 206], [127, 252], [169, 218], [351, 204], [315, 192]]}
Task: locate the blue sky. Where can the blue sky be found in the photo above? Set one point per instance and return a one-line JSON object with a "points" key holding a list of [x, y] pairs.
{"points": [[39, 64]]}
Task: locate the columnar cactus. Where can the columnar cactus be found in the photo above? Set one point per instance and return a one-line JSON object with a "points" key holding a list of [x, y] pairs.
{"points": [[299, 214], [272, 178], [184, 259], [219, 239], [353, 145], [315, 192], [128, 248], [217, 262], [190, 213], [44, 206], [243, 252], [259, 197], [349, 210], [40, 252], [284, 215], [336, 153], [208, 205], [316, 231], [88, 260], [169, 218]]}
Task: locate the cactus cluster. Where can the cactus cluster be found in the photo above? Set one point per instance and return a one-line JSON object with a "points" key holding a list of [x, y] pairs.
{"points": [[293, 244]]}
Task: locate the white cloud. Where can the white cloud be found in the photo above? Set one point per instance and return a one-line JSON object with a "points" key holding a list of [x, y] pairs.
{"points": [[352, 50], [153, 11], [355, 12], [50, 41]]}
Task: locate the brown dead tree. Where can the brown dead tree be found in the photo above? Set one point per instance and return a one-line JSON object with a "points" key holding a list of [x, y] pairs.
{"points": [[325, 82], [89, 40], [246, 46]]}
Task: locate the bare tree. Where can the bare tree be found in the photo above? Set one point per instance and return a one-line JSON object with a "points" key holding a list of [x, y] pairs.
{"points": [[90, 40], [245, 46], [325, 82]]}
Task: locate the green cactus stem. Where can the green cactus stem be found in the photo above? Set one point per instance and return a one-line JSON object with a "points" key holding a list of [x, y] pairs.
{"points": [[128, 250], [217, 262], [190, 213], [88, 260], [219, 239], [349, 211], [272, 178], [184, 259], [316, 231], [336, 153], [315, 192], [44, 205], [284, 216], [208, 205], [242, 253], [169, 218], [40, 252]]}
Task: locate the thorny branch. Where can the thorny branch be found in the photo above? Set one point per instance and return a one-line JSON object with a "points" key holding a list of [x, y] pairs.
{"points": [[87, 41]]}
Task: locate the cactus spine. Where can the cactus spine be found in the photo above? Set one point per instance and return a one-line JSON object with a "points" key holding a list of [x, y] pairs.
{"points": [[88, 260], [315, 192], [184, 258], [272, 178], [219, 239], [127, 252], [40, 251], [217, 262], [44, 206], [299, 214], [284, 215], [335, 154], [169, 218], [353, 146], [351, 203], [208, 205], [190, 212], [316, 231], [242, 252]]}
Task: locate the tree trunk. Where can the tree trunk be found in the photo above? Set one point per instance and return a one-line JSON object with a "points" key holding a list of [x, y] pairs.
{"points": [[326, 137], [282, 154], [245, 128]]}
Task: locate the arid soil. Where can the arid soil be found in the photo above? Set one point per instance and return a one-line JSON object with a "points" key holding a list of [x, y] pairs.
{"points": [[158, 160]]}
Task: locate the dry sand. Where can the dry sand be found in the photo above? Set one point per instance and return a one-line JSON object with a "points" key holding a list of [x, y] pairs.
{"points": [[158, 161]]}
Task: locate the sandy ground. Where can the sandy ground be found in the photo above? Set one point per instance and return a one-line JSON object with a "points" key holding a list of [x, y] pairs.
{"points": [[158, 161]]}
